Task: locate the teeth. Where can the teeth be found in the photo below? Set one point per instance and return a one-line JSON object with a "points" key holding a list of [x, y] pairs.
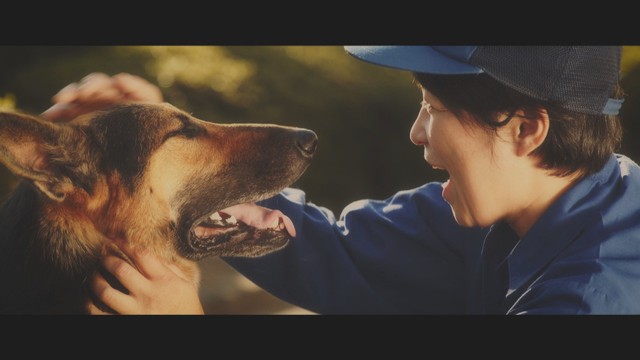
{"points": [[231, 220], [199, 232], [215, 216], [275, 225]]}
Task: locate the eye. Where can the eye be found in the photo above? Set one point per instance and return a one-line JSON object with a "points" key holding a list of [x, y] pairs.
{"points": [[430, 109], [190, 131], [425, 105]]}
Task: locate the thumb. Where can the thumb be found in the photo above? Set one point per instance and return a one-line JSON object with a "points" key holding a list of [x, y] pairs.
{"points": [[58, 112]]}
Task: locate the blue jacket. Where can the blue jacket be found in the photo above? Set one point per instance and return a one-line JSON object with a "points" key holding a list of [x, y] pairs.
{"points": [[407, 254]]}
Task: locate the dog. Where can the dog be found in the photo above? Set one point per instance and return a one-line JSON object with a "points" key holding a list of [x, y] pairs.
{"points": [[148, 175]]}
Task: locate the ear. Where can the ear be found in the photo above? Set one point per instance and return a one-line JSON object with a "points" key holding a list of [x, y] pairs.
{"points": [[530, 129], [27, 148]]}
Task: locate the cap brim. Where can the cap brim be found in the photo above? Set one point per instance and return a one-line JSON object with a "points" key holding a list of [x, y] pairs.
{"points": [[422, 59]]}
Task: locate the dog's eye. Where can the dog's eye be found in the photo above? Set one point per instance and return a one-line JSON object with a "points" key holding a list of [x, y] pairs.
{"points": [[191, 131]]}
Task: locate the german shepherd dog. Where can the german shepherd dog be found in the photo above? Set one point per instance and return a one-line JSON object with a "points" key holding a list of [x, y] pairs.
{"points": [[149, 175]]}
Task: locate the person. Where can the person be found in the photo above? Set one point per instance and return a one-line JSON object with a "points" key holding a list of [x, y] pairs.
{"points": [[540, 215]]}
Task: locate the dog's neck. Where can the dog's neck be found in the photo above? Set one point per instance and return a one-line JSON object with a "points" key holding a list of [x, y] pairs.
{"points": [[73, 235], [49, 250], [69, 236], [45, 255]]}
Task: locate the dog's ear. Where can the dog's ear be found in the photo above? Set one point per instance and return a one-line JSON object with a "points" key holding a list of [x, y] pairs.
{"points": [[31, 148]]}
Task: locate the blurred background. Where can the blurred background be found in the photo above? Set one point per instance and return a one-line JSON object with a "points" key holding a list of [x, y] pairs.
{"points": [[362, 114]]}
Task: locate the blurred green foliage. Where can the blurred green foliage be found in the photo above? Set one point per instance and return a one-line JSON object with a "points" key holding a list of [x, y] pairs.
{"points": [[361, 113]]}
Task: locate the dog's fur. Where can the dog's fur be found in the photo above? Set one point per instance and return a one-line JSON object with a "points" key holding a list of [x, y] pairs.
{"points": [[141, 174]]}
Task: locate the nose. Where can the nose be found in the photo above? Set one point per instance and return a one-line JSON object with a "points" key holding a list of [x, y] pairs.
{"points": [[306, 141], [418, 133]]}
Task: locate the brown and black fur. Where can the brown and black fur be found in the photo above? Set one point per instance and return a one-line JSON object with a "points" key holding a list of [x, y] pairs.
{"points": [[141, 174]]}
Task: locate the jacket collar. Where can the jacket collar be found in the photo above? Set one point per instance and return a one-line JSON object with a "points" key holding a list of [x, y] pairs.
{"points": [[559, 225]]}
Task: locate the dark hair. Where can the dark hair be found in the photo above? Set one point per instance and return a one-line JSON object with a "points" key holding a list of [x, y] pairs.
{"points": [[576, 142]]}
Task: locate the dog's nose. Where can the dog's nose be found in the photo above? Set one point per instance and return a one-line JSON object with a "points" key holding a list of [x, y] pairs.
{"points": [[307, 141]]}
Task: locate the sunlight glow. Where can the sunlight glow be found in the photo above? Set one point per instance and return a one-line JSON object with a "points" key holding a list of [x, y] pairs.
{"points": [[200, 67], [8, 102]]}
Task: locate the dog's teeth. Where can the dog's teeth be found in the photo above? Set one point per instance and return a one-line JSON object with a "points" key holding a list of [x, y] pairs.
{"points": [[199, 232], [215, 216], [275, 225], [231, 220]]}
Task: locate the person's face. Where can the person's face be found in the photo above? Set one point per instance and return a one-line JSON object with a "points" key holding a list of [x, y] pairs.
{"points": [[477, 162]]}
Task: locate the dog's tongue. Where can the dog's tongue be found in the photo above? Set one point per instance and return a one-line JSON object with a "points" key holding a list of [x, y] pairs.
{"points": [[261, 217]]}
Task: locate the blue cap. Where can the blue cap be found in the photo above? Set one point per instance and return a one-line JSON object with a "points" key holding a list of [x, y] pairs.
{"points": [[577, 78]]}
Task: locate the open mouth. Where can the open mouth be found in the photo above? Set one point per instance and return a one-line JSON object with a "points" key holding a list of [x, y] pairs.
{"points": [[241, 230], [220, 222], [437, 166]]}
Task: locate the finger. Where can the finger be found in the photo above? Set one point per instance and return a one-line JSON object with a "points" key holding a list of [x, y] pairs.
{"points": [[67, 94], [99, 76], [58, 112], [66, 112], [289, 226], [178, 272], [100, 97], [115, 299], [128, 275], [147, 262], [93, 309], [93, 85], [136, 88]]}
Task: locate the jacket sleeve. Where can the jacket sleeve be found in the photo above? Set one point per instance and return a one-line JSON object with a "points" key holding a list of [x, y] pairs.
{"points": [[405, 254]]}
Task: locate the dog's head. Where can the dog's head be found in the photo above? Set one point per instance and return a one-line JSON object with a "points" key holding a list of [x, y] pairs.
{"points": [[155, 175]]}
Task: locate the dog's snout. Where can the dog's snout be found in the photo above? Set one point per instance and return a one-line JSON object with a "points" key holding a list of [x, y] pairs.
{"points": [[307, 141]]}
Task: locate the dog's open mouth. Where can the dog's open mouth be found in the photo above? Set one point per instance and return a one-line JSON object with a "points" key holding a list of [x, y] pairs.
{"points": [[215, 224], [248, 214], [242, 230]]}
